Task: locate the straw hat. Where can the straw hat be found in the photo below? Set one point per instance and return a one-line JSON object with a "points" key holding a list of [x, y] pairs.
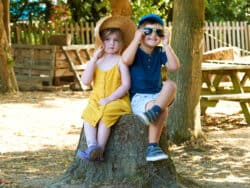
{"points": [[124, 23]]}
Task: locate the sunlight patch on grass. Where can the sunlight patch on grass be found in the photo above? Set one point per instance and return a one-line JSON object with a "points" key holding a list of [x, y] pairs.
{"points": [[196, 158], [229, 178]]}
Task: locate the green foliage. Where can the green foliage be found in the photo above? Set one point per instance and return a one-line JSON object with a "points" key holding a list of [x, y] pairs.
{"points": [[162, 8], [30, 10], [92, 11], [227, 10], [60, 14], [88, 10]]}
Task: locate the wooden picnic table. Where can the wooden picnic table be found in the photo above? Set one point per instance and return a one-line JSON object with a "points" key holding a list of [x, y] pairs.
{"points": [[226, 80]]}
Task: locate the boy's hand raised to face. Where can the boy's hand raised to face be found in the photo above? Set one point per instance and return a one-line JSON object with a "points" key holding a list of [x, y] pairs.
{"points": [[166, 37], [138, 34]]}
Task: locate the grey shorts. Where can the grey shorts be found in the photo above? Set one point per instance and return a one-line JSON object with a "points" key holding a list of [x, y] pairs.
{"points": [[140, 100]]}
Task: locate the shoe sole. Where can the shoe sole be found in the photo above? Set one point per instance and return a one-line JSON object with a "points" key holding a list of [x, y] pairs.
{"points": [[157, 158]]}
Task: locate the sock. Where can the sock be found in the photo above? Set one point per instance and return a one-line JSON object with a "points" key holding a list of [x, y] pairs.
{"points": [[152, 144], [156, 109], [91, 144]]}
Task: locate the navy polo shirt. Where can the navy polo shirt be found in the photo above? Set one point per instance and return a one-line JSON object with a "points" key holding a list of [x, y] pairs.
{"points": [[145, 72]]}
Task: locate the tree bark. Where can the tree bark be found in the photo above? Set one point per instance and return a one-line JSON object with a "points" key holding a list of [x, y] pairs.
{"points": [[187, 40], [7, 75], [6, 18], [125, 164]]}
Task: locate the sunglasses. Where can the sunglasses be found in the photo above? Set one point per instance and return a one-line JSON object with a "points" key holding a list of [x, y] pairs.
{"points": [[149, 31]]}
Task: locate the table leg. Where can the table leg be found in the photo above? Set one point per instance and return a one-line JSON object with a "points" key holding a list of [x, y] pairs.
{"points": [[245, 77], [206, 79], [244, 107], [205, 104], [236, 83]]}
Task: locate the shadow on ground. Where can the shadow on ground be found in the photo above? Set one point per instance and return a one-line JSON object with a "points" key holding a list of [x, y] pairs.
{"points": [[222, 160], [33, 169]]}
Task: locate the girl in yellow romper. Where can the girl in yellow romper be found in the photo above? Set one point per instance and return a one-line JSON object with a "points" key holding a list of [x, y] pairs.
{"points": [[109, 98]]}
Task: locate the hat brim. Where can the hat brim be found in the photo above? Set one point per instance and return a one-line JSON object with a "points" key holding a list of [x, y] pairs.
{"points": [[124, 23]]}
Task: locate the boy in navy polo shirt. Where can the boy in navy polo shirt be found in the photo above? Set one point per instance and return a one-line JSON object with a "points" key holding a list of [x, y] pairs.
{"points": [[150, 97]]}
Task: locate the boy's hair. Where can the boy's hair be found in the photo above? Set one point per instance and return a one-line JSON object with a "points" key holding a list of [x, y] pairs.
{"points": [[151, 22]]}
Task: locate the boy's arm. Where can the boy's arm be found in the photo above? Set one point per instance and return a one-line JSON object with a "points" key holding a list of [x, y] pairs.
{"points": [[129, 53], [173, 63], [122, 89]]}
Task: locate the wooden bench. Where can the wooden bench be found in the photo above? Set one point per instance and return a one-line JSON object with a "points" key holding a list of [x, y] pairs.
{"points": [[212, 100], [78, 56]]}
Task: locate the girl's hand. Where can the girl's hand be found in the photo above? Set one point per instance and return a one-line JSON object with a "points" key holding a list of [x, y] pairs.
{"points": [[98, 53], [104, 101], [166, 37]]}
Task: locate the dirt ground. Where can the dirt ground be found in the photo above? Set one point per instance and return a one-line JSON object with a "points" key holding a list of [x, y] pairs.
{"points": [[39, 133]]}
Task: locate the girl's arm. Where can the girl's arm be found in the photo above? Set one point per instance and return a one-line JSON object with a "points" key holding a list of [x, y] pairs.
{"points": [[122, 89], [87, 75], [173, 63], [129, 53]]}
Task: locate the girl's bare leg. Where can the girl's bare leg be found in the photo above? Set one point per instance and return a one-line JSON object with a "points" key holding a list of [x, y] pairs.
{"points": [[90, 134], [103, 134]]}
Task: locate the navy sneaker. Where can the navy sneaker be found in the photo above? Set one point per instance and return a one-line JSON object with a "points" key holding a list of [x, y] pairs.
{"points": [[149, 117], [155, 153]]}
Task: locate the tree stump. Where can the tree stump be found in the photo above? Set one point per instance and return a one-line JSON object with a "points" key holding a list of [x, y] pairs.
{"points": [[125, 164]]}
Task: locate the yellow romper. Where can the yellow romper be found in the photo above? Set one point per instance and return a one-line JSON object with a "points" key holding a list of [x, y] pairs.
{"points": [[105, 83]]}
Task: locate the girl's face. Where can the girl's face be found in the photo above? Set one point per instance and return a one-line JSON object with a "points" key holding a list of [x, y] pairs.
{"points": [[112, 43], [153, 34]]}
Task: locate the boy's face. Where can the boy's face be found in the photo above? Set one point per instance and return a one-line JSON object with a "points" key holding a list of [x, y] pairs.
{"points": [[153, 34]]}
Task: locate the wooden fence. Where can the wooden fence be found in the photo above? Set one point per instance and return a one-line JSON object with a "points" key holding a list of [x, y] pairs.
{"points": [[40, 33], [216, 34], [224, 34]]}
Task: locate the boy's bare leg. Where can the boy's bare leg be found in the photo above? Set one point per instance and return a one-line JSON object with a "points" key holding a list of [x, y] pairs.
{"points": [[167, 94], [155, 129], [165, 98], [155, 109], [154, 152]]}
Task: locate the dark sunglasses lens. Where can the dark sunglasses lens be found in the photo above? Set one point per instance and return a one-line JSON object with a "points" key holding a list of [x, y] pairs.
{"points": [[160, 32], [147, 31]]}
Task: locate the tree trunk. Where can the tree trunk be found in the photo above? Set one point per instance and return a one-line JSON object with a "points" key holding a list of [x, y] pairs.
{"points": [[6, 18], [7, 75], [125, 164], [123, 8], [187, 40]]}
